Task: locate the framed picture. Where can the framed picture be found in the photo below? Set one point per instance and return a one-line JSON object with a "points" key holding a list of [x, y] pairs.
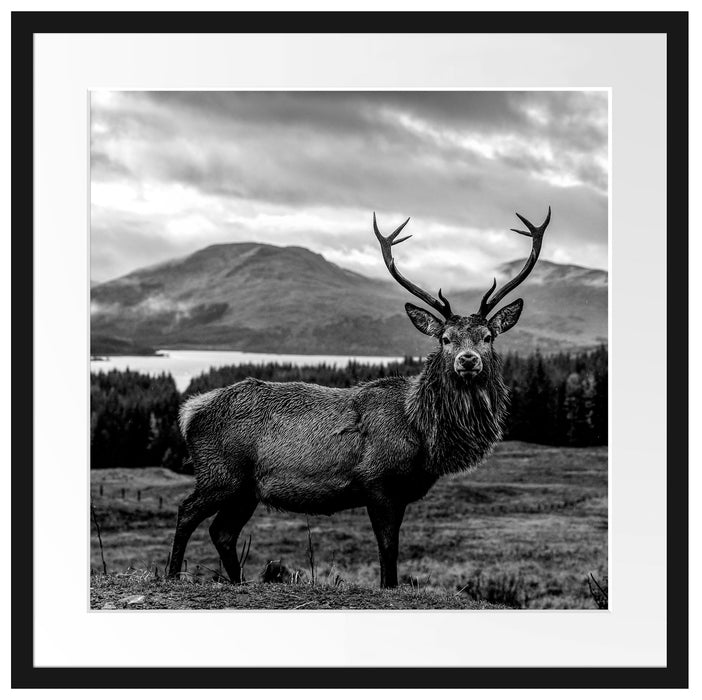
{"points": [[412, 475]]}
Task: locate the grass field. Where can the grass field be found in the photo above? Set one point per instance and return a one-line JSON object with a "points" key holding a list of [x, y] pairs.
{"points": [[523, 531]]}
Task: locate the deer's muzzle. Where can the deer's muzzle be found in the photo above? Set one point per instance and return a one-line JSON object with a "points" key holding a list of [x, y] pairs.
{"points": [[468, 363]]}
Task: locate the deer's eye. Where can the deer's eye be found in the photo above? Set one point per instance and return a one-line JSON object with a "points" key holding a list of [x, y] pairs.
{"points": [[488, 338], [445, 340]]}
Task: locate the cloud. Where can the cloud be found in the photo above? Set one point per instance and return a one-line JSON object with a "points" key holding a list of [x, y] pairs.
{"points": [[174, 171]]}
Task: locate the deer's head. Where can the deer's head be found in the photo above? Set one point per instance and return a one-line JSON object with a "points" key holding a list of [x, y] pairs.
{"points": [[465, 342]]}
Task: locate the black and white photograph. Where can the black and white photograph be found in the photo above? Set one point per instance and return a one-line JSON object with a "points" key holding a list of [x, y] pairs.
{"points": [[349, 349]]}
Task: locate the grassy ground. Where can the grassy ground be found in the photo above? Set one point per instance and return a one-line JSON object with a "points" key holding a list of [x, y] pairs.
{"points": [[142, 591], [522, 531]]}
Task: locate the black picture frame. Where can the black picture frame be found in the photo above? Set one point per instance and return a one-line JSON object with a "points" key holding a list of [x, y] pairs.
{"points": [[26, 24]]}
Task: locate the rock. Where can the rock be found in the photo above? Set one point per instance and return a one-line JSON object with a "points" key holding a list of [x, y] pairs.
{"points": [[132, 600], [275, 572], [109, 606]]}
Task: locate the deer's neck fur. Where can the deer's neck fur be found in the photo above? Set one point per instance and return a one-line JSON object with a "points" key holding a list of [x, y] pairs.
{"points": [[459, 421]]}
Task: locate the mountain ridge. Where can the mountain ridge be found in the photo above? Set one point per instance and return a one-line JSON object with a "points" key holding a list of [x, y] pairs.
{"points": [[265, 298]]}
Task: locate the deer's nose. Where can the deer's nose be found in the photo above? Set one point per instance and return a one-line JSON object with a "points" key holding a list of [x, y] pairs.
{"points": [[468, 361]]}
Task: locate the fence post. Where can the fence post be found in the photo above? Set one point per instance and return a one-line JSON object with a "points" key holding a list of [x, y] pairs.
{"points": [[123, 493]]}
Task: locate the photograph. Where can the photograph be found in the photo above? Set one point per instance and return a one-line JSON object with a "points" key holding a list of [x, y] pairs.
{"points": [[349, 349]]}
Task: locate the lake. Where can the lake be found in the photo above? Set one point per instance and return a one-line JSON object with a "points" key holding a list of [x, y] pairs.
{"points": [[183, 365]]}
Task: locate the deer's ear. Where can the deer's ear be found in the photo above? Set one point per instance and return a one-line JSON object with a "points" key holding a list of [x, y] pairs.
{"points": [[506, 317], [424, 321]]}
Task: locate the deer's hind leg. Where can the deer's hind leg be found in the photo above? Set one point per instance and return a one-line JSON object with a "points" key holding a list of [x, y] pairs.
{"points": [[227, 526]]}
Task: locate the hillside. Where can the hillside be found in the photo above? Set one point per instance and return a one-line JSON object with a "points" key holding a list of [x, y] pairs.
{"points": [[263, 298]]}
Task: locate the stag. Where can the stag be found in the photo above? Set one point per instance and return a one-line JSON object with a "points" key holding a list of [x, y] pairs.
{"points": [[380, 445]]}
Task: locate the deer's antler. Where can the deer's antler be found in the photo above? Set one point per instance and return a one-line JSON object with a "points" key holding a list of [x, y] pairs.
{"points": [[386, 242], [536, 233]]}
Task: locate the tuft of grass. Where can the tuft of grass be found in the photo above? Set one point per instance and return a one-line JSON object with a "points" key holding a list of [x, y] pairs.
{"points": [[599, 590], [333, 577], [310, 552], [504, 589], [243, 557]]}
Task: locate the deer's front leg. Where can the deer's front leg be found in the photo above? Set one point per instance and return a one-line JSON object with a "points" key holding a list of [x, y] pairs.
{"points": [[386, 518]]}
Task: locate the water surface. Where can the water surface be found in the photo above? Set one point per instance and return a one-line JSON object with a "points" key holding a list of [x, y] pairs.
{"points": [[186, 364]]}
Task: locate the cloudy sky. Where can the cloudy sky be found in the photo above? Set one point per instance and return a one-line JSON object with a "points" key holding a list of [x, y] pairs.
{"points": [[172, 172]]}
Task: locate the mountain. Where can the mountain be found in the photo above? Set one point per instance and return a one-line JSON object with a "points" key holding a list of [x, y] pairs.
{"points": [[565, 306], [264, 298]]}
